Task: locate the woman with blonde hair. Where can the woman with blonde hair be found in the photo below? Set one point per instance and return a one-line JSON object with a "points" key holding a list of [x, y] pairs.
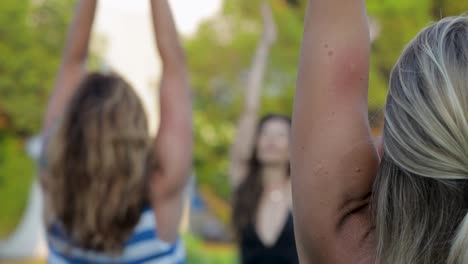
{"points": [[412, 208], [106, 182]]}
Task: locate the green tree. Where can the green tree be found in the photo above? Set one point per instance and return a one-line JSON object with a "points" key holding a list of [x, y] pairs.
{"points": [[399, 22], [31, 35], [219, 59], [221, 51], [31, 38]]}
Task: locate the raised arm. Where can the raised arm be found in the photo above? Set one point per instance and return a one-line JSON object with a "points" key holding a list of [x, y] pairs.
{"points": [[241, 149], [333, 157], [173, 146], [73, 61]]}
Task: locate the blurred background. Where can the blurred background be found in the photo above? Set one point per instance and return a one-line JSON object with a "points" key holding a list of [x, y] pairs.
{"points": [[220, 37]]}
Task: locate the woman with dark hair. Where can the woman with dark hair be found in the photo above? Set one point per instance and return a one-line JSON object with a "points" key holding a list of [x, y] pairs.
{"points": [[262, 207], [106, 182], [260, 174]]}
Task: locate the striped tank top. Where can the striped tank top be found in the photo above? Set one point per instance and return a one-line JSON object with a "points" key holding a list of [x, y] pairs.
{"points": [[142, 247]]}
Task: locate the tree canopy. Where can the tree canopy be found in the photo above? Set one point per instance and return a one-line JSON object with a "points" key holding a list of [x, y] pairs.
{"points": [[31, 39], [221, 51], [32, 34]]}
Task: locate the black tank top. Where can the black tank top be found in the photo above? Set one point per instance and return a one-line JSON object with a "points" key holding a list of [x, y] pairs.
{"points": [[283, 251]]}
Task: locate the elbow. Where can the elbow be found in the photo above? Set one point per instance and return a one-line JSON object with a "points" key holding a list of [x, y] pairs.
{"points": [[174, 181], [351, 67], [179, 182], [179, 54], [347, 62], [344, 71], [72, 60], [179, 173]]}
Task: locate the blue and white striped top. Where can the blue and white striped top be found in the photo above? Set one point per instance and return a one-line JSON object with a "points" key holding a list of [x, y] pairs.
{"points": [[142, 247]]}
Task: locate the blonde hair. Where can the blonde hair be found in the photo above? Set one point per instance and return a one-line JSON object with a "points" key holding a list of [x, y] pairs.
{"points": [[421, 192], [97, 162]]}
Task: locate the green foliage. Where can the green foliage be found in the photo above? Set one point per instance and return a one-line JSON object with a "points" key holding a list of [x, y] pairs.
{"points": [[31, 39], [221, 52], [16, 172], [218, 136], [31, 43], [219, 59], [399, 22], [197, 253]]}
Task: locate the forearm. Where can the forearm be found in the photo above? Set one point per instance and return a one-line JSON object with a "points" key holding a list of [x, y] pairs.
{"points": [[76, 47], [334, 61], [167, 39], [73, 60], [256, 78], [63, 91], [241, 148], [335, 41], [174, 92], [259, 64]]}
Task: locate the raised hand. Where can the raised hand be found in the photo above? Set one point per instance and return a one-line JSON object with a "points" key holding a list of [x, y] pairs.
{"points": [[73, 61], [269, 25]]}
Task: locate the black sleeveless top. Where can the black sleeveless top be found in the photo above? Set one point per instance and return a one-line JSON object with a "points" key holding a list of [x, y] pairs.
{"points": [[283, 251]]}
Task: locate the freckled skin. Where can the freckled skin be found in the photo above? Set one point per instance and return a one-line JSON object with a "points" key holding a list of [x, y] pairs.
{"points": [[333, 158]]}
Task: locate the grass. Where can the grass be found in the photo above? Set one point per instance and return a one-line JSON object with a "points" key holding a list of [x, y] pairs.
{"points": [[16, 174], [200, 252], [41, 261]]}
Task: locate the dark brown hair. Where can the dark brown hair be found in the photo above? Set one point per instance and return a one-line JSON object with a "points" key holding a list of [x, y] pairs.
{"points": [[248, 193], [97, 162]]}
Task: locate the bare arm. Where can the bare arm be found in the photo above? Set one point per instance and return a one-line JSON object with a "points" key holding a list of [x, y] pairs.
{"points": [[73, 63], [173, 146], [241, 149], [333, 157]]}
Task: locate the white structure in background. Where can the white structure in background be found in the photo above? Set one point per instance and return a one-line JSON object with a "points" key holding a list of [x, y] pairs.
{"points": [[130, 50], [130, 46]]}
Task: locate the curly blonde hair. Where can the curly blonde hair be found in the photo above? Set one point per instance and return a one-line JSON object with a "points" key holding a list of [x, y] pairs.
{"points": [[97, 164]]}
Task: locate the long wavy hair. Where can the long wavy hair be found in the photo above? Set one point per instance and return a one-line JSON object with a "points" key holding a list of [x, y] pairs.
{"points": [[248, 193], [420, 199], [97, 161]]}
